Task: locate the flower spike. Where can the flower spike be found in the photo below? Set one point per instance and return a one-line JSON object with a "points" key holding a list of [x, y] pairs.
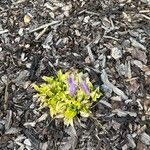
{"points": [[85, 88], [72, 86]]}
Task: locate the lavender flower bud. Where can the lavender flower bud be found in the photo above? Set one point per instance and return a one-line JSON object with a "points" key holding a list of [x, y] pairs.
{"points": [[85, 88], [72, 86]]}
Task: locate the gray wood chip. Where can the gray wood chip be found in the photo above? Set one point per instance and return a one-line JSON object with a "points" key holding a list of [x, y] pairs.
{"points": [[131, 141], [90, 53], [105, 80], [43, 117], [13, 130], [145, 138], [106, 103], [137, 44]]}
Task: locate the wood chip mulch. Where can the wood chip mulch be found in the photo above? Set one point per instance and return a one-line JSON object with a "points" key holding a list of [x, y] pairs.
{"points": [[108, 39]]}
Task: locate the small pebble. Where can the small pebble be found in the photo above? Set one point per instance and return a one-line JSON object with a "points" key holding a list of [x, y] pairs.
{"points": [[20, 32], [28, 65], [116, 53], [86, 19], [27, 142], [27, 46]]}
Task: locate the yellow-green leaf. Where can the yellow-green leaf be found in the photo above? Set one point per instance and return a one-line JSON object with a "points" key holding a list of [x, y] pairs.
{"points": [[69, 115], [84, 114], [36, 87], [48, 79]]}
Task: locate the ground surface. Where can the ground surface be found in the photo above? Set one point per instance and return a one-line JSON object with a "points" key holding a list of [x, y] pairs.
{"points": [[109, 39]]}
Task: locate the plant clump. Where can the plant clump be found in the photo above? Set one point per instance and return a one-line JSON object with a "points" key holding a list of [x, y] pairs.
{"points": [[67, 95]]}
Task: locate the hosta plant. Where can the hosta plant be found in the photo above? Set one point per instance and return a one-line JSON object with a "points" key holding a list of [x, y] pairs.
{"points": [[67, 95]]}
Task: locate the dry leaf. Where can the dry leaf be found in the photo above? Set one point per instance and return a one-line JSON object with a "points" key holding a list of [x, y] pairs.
{"points": [[140, 55], [134, 86], [26, 19]]}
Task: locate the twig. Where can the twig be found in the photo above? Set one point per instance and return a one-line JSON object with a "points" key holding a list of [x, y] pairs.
{"points": [[131, 79], [41, 33], [92, 13], [144, 11], [110, 37], [89, 12], [146, 17], [18, 2], [4, 31], [44, 26], [6, 97]]}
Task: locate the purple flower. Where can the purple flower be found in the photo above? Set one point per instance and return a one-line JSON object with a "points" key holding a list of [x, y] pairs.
{"points": [[72, 86], [85, 88]]}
